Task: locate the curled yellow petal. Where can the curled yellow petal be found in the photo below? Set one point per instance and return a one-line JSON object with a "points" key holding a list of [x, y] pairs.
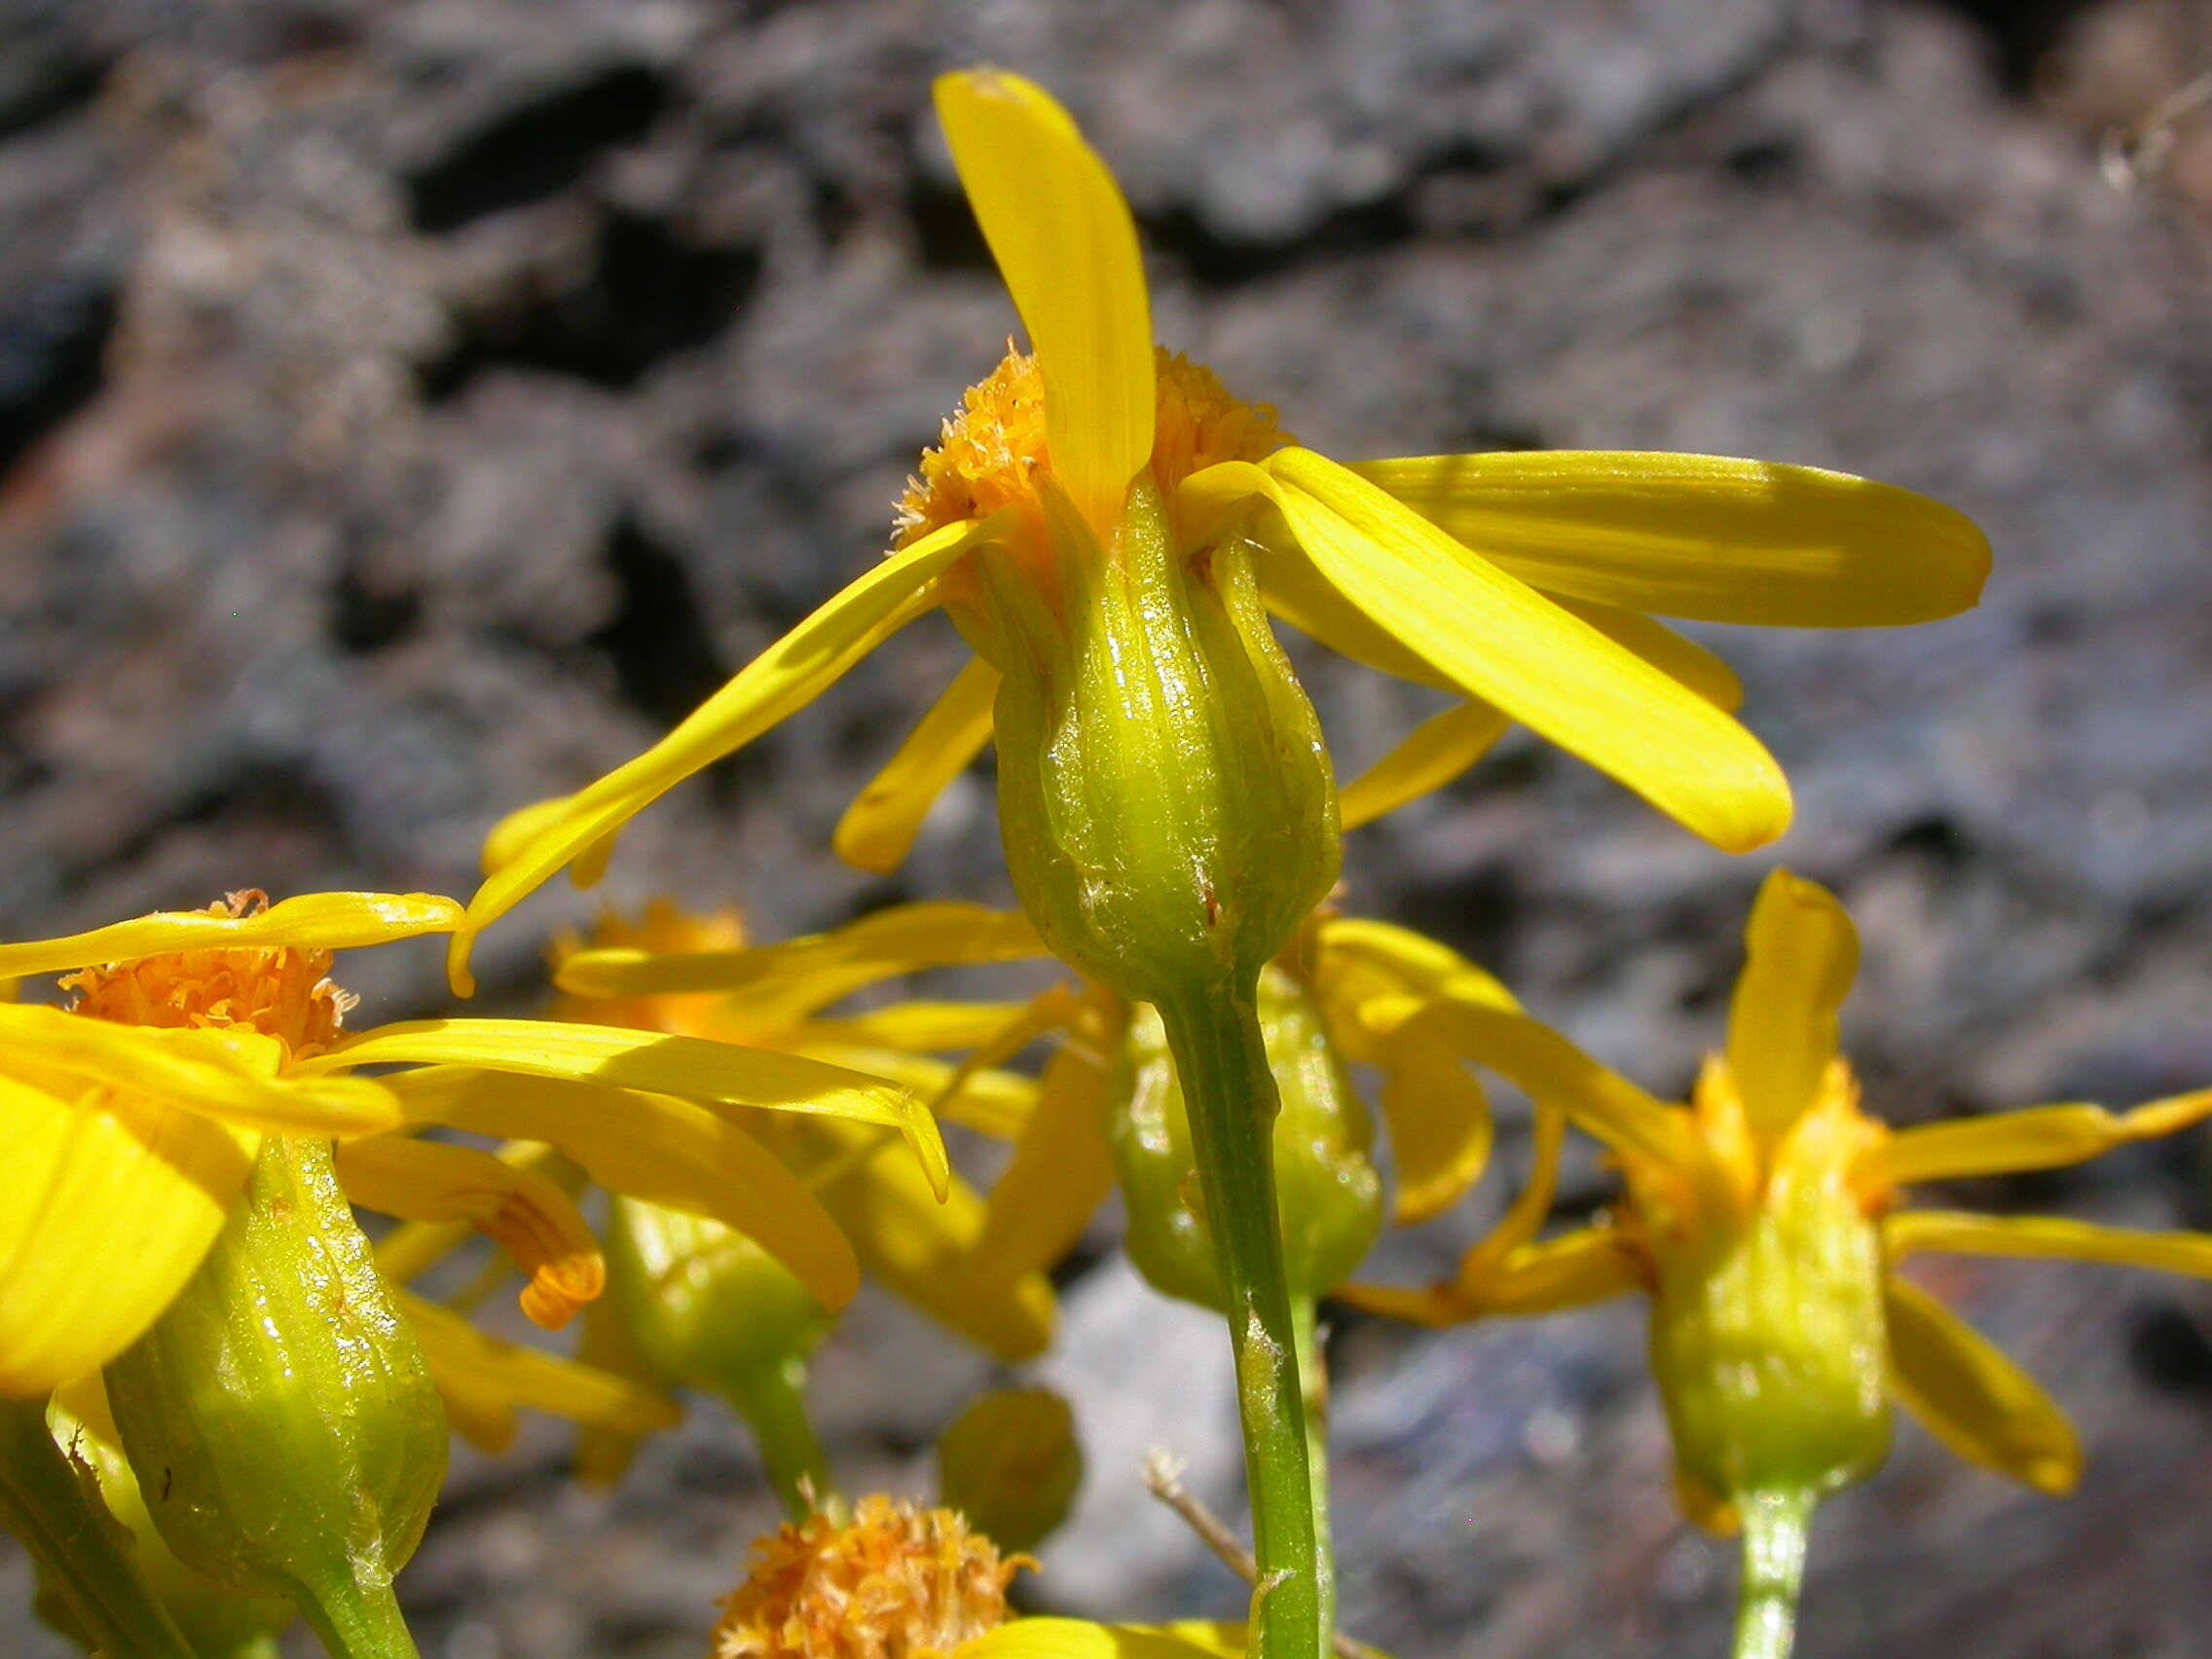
{"points": [[1067, 248], [1494, 637], [107, 1204], [1803, 954], [521, 1211], [1432, 754], [484, 1380], [879, 828], [778, 682], [1571, 1270], [313, 921], [991, 1102], [2046, 1237], [1438, 1117], [722, 1073], [1972, 1398], [1412, 962], [652, 1147], [1702, 536], [1061, 1172]]}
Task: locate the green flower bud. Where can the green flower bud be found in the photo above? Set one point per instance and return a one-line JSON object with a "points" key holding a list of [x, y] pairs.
{"points": [[706, 1308], [1329, 1196], [1011, 1465], [280, 1415], [1168, 808]]}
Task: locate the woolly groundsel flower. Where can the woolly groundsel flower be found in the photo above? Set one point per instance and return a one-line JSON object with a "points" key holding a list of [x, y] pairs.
{"points": [[1762, 1220]]}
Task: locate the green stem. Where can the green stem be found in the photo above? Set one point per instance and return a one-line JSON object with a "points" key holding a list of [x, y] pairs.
{"points": [[356, 1621], [772, 1400], [1775, 1525], [1230, 1091], [81, 1548], [1313, 1382]]}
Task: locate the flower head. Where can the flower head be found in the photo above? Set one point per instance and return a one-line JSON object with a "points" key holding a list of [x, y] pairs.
{"points": [[1098, 470]]}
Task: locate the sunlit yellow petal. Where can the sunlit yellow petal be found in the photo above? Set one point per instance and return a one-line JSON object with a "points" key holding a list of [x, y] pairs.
{"points": [[484, 1382], [915, 1027], [717, 1073], [231, 1074], [1423, 967], [1072, 1639], [1573, 1270], [782, 680], [879, 828], [2047, 1236], [528, 1215], [991, 1102], [1802, 955], [1972, 1398], [313, 921], [409, 1251], [1677, 658], [651, 1147], [798, 975], [1438, 1118], [107, 1204], [1215, 1637], [2003, 1143], [1494, 637], [1432, 754], [1702, 536], [1529, 1209], [1067, 248], [1061, 1172]]}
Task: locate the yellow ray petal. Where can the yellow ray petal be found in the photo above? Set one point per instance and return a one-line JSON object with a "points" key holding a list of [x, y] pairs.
{"points": [[1496, 639], [1972, 1398], [1438, 1118], [228, 1074], [1073, 1638], [913, 1028], [533, 1219], [1803, 954], [991, 1102], [1067, 248], [1422, 966], [484, 1382], [1677, 658], [313, 921], [1215, 1637], [690, 1067], [1432, 754], [651, 1147], [924, 1251], [107, 1204], [2037, 1137], [409, 1251], [879, 828], [778, 682], [1061, 1172], [798, 975], [1530, 1209], [1702, 536], [1571, 1270], [2047, 1236]]}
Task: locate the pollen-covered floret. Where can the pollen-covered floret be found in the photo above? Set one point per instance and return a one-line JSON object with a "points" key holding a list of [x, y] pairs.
{"points": [[285, 993], [993, 450], [894, 1583]]}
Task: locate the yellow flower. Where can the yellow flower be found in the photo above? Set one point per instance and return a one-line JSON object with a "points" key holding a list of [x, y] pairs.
{"points": [[897, 1582], [1517, 583], [132, 1121], [1763, 1222]]}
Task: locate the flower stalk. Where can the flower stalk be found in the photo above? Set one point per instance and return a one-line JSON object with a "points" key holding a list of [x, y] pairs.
{"points": [[1775, 1525]]}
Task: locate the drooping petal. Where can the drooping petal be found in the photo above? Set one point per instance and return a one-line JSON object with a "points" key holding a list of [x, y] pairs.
{"points": [[1061, 1172], [1571, 1270], [781, 680], [412, 1249], [1803, 954], [879, 828], [107, 1204], [1074, 1638], [795, 976], [1679, 658], [484, 1380], [2037, 1137], [1531, 1206], [1067, 248], [1494, 637], [231, 1074], [1422, 965], [2049, 1238], [1972, 1398], [690, 1067], [915, 1027], [991, 1102], [1702, 536], [1432, 754], [650, 1146], [1438, 1117], [528, 1215], [313, 921]]}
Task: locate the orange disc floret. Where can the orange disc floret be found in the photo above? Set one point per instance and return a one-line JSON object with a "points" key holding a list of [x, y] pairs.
{"points": [[994, 449], [285, 993], [894, 1583]]}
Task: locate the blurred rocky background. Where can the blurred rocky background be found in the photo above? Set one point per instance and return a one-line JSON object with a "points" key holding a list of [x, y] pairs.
{"points": [[409, 407]]}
